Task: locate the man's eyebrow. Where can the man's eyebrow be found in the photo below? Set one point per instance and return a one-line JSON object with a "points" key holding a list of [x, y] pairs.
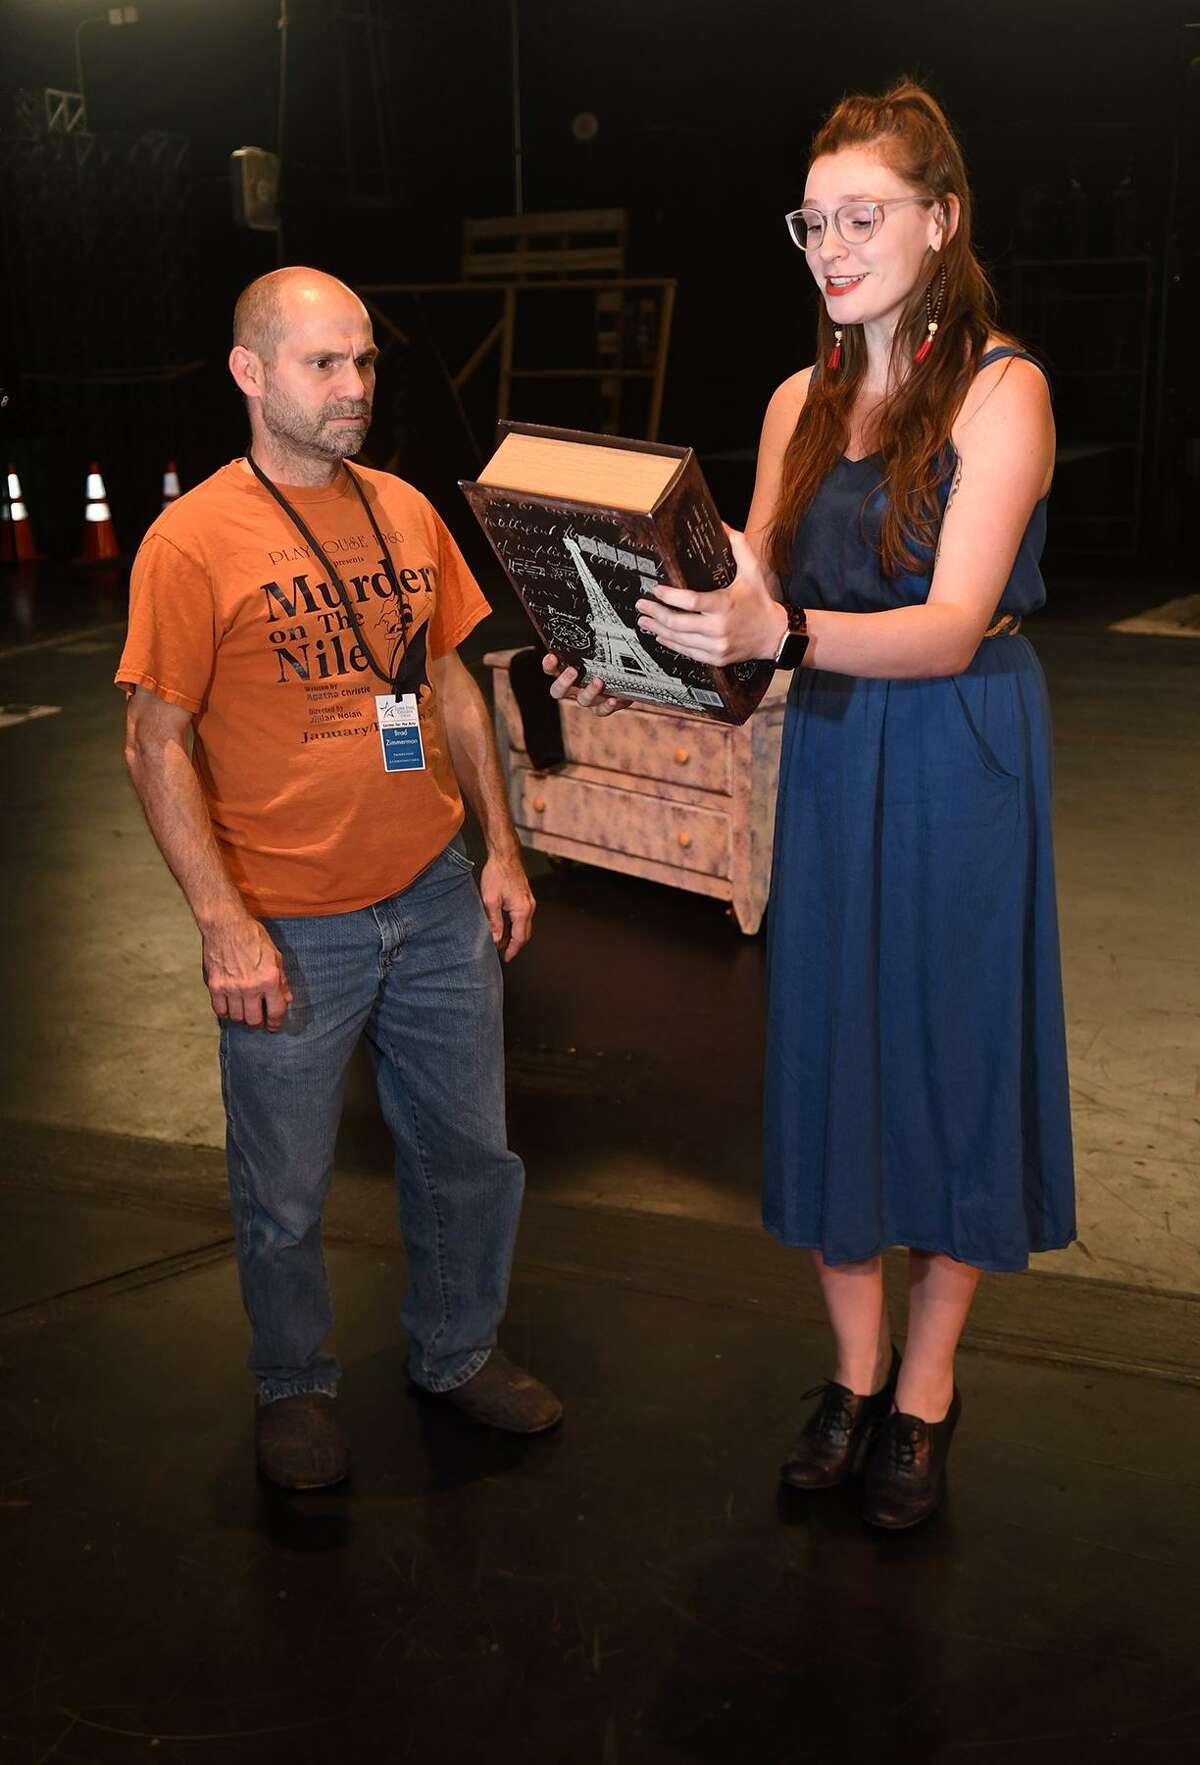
{"points": [[337, 355]]}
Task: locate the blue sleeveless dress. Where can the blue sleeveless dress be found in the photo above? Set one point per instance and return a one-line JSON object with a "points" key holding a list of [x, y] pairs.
{"points": [[916, 1083]]}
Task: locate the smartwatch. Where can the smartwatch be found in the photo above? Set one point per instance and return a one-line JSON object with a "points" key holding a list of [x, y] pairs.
{"points": [[795, 638]]}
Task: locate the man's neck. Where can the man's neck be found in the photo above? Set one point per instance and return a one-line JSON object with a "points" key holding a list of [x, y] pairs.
{"points": [[283, 466]]}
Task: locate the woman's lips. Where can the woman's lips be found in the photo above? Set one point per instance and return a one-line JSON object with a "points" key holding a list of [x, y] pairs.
{"points": [[846, 288]]}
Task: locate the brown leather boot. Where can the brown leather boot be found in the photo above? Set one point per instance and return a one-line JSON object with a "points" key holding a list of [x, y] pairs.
{"points": [[502, 1395], [298, 1442]]}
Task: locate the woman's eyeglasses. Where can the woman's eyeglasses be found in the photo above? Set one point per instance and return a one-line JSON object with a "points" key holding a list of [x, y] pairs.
{"points": [[853, 222]]}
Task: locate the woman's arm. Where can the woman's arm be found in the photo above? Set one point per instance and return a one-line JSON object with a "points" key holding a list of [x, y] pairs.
{"points": [[780, 420], [1005, 445]]}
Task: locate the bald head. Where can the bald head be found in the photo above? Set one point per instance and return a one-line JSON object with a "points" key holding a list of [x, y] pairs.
{"points": [[286, 299], [304, 359]]}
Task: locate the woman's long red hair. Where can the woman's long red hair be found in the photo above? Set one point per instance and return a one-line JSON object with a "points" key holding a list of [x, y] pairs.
{"points": [[910, 132]]}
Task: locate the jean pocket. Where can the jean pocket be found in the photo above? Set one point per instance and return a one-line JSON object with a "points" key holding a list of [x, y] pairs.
{"points": [[454, 850]]}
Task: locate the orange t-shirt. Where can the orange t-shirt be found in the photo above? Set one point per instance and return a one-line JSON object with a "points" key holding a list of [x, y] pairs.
{"points": [[232, 619]]}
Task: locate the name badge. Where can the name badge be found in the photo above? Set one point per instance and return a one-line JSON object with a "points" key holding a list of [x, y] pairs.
{"points": [[400, 732]]}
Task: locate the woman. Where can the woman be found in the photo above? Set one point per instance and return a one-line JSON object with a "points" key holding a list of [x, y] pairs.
{"points": [[916, 1087]]}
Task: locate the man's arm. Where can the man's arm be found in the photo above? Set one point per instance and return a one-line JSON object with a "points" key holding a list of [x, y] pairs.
{"points": [[503, 887], [242, 967]]}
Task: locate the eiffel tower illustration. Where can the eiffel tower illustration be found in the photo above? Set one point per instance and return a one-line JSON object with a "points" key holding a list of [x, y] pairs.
{"points": [[620, 658]]}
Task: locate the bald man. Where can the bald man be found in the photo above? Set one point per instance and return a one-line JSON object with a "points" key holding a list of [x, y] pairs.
{"points": [[301, 731]]}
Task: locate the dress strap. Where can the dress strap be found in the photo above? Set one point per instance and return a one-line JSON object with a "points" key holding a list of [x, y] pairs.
{"points": [[1010, 349]]}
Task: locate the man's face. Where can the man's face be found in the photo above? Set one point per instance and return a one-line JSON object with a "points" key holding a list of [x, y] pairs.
{"points": [[317, 392]]}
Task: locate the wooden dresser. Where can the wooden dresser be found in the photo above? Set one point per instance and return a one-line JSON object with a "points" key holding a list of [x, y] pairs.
{"points": [[653, 794]]}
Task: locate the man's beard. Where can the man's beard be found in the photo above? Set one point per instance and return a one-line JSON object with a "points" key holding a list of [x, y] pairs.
{"points": [[294, 428]]}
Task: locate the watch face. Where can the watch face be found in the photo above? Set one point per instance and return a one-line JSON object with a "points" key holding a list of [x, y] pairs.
{"points": [[792, 653]]}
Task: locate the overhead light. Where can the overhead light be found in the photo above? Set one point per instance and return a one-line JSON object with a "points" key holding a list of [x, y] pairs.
{"points": [[116, 15]]}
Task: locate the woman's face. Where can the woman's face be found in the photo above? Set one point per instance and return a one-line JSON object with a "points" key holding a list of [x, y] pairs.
{"points": [[871, 279]]}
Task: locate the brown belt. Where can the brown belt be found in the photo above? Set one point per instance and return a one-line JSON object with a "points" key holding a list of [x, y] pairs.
{"points": [[1007, 625]]}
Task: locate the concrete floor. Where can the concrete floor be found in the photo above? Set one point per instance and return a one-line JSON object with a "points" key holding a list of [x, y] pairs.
{"points": [[615, 1097]]}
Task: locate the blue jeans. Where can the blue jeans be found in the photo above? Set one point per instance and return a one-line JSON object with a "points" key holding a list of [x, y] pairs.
{"points": [[418, 975]]}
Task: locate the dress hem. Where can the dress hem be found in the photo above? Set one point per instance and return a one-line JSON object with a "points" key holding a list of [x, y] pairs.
{"points": [[987, 1267]]}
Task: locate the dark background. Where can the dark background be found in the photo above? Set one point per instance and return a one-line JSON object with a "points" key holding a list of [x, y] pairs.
{"points": [[121, 274]]}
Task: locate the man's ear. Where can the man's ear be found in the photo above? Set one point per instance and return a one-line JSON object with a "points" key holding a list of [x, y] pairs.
{"points": [[247, 371]]}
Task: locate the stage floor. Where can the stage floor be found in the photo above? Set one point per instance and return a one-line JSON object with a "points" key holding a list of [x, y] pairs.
{"points": [[627, 1590], [630, 1589], [635, 1017]]}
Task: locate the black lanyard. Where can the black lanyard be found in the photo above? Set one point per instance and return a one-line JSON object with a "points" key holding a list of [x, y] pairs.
{"points": [[390, 680]]}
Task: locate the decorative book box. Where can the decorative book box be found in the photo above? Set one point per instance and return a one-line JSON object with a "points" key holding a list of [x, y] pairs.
{"points": [[585, 525]]}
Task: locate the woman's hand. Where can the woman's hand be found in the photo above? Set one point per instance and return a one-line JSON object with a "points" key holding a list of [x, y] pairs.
{"points": [[595, 696], [742, 623]]}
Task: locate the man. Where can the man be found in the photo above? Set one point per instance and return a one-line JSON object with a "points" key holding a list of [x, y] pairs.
{"points": [[295, 621]]}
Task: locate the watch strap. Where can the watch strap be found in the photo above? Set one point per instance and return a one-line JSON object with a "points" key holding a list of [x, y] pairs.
{"points": [[795, 638]]}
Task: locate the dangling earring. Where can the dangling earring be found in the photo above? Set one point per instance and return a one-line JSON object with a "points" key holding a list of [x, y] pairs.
{"points": [[933, 312], [835, 354]]}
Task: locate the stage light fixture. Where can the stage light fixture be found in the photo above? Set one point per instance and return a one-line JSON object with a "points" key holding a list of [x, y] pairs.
{"points": [[116, 15], [255, 178]]}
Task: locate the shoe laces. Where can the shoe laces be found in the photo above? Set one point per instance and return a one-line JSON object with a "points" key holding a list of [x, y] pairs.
{"points": [[902, 1438], [836, 1413]]}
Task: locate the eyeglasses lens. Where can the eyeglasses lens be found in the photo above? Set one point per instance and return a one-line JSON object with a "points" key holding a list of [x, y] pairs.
{"points": [[856, 221], [807, 228]]}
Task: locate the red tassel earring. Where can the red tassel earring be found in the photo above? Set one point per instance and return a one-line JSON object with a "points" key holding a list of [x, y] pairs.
{"points": [[835, 354], [933, 312]]}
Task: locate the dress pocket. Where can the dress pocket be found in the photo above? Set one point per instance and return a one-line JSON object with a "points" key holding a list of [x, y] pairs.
{"points": [[974, 741]]}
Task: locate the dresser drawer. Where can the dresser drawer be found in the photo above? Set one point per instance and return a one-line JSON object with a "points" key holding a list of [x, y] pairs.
{"points": [[622, 821], [682, 750]]}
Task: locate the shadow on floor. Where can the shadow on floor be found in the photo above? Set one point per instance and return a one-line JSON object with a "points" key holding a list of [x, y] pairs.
{"points": [[630, 1588]]}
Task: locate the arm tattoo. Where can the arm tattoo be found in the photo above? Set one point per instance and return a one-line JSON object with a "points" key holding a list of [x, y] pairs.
{"points": [[956, 481]]}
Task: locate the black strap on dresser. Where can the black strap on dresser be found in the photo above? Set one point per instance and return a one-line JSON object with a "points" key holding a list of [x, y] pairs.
{"points": [[541, 715]]}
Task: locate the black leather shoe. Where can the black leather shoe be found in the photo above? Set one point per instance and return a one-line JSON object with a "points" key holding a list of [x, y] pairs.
{"points": [[827, 1447], [906, 1474]]}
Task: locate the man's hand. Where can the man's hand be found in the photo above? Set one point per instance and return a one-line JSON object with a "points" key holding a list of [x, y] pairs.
{"points": [[245, 976], [595, 696], [743, 623], [507, 897]]}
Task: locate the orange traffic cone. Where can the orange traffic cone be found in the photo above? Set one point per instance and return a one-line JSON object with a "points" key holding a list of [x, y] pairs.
{"points": [[170, 485], [17, 544], [99, 536]]}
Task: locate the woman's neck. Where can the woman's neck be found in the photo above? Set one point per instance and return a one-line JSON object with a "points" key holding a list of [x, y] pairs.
{"points": [[879, 335]]}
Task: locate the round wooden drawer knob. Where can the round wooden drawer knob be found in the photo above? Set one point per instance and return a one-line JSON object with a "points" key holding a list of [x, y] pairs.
{"points": [[682, 756], [685, 840], [539, 804]]}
